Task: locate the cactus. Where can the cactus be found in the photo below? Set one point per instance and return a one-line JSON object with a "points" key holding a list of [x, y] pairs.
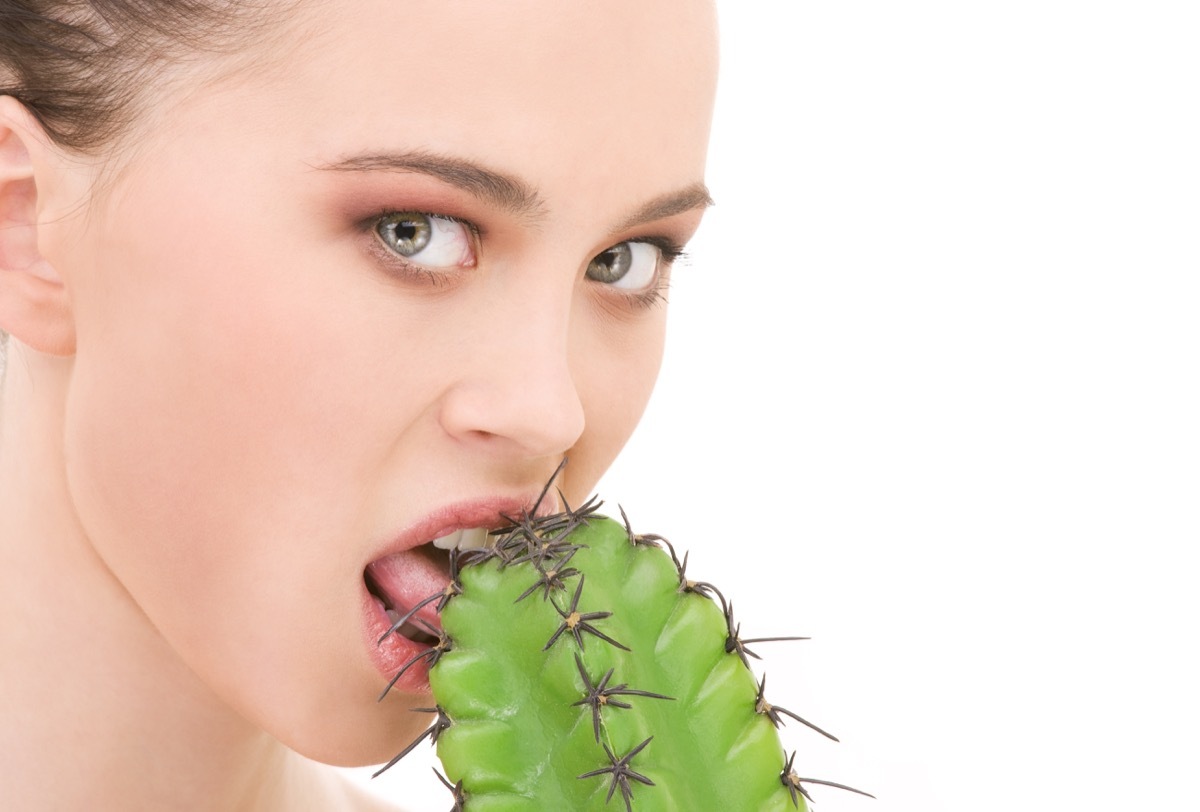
{"points": [[578, 664]]}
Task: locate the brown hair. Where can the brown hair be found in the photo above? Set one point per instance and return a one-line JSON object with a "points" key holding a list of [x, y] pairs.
{"points": [[82, 68]]}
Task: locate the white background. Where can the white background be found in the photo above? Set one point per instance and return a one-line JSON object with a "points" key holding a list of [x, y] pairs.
{"points": [[932, 397]]}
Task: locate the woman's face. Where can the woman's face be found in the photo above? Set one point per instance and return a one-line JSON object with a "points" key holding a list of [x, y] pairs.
{"points": [[368, 293]]}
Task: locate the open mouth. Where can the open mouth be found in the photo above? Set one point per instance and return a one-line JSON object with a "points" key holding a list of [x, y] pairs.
{"points": [[413, 628], [409, 586]]}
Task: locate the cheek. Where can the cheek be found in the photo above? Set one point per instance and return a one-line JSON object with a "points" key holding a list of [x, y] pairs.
{"points": [[223, 425], [216, 379], [195, 415], [183, 439], [178, 382]]}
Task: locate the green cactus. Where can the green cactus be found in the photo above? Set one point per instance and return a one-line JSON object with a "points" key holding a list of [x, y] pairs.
{"points": [[578, 664]]}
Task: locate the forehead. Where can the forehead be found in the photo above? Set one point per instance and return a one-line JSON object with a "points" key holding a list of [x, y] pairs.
{"points": [[569, 81]]}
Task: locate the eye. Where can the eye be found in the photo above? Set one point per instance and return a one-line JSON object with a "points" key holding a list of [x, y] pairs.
{"points": [[429, 239], [629, 265]]}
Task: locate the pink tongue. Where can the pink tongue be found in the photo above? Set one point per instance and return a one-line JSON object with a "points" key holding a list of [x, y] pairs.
{"points": [[407, 578]]}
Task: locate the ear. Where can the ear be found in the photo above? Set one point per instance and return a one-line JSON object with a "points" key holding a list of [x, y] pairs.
{"points": [[34, 305]]}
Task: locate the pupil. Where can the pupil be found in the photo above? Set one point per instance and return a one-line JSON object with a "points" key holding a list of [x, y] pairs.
{"points": [[612, 264], [406, 234]]}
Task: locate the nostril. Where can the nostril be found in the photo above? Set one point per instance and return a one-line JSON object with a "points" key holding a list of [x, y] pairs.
{"points": [[541, 417]]}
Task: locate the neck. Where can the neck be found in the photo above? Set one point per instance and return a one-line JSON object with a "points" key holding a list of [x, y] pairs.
{"points": [[99, 712]]}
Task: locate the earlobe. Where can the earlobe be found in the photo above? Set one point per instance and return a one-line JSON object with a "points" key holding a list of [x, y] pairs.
{"points": [[34, 305]]}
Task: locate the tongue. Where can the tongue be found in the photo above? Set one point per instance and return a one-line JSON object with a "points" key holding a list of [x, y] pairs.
{"points": [[405, 579]]}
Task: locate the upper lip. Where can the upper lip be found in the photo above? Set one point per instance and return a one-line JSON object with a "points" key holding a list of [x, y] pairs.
{"points": [[491, 512]]}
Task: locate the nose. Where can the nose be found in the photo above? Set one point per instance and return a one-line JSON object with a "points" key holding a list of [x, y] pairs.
{"points": [[518, 394]]}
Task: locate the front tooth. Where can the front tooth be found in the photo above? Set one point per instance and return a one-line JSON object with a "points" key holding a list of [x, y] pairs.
{"points": [[474, 539], [448, 541]]}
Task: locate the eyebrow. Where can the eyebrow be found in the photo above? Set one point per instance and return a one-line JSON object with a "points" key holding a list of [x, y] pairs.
{"points": [[505, 191], [501, 190], [691, 197]]}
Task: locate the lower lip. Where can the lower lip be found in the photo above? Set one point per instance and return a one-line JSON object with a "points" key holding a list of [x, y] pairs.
{"points": [[391, 653]]}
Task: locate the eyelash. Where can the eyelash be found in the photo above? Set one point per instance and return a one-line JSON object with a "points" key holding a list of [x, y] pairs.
{"points": [[406, 267], [669, 252]]}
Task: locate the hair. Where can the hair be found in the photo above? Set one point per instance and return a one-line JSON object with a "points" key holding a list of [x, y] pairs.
{"points": [[84, 69]]}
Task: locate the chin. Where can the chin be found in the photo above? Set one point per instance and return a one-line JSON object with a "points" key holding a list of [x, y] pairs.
{"points": [[368, 733]]}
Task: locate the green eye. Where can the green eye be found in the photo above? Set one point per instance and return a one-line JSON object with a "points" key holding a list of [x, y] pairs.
{"points": [[631, 265], [429, 240], [406, 233]]}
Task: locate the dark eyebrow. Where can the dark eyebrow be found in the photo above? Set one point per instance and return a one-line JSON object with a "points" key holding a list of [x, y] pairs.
{"points": [[692, 197], [503, 191]]}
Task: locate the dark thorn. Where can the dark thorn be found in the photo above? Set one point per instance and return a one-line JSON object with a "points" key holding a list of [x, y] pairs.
{"points": [[431, 733], [621, 773], [562, 497], [551, 579], [772, 712], [454, 587], [549, 482], [793, 782], [432, 654], [835, 785], [703, 588], [733, 643], [460, 799], [483, 554], [577, 623], [644, 539], [733, 639], [686, 585], [600, 695], [585, 511], [407, 616]]}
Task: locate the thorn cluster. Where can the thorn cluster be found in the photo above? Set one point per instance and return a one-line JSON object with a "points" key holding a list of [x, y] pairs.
{"points": [[600, 695], [775, 713], [576, 622], [539, 539], [552, 577], [794, 782], [620, 772], [733, 638], [642, 539]]}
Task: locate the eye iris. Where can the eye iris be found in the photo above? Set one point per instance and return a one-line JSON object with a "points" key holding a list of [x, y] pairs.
{"points": [[611, 265], [406, 234]]}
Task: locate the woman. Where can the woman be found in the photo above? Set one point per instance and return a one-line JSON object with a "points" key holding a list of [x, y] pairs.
{"points": [[292, 290]]}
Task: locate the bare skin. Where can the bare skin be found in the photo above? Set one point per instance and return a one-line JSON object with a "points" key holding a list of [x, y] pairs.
{"points": [[228, 393]]}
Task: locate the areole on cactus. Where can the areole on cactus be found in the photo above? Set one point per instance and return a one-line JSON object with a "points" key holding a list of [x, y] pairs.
{"points": [[579, 667]]}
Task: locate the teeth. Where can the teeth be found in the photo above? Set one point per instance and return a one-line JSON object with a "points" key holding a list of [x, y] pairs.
{"points": [[470, 539], [473, 539], [448, 541]]}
